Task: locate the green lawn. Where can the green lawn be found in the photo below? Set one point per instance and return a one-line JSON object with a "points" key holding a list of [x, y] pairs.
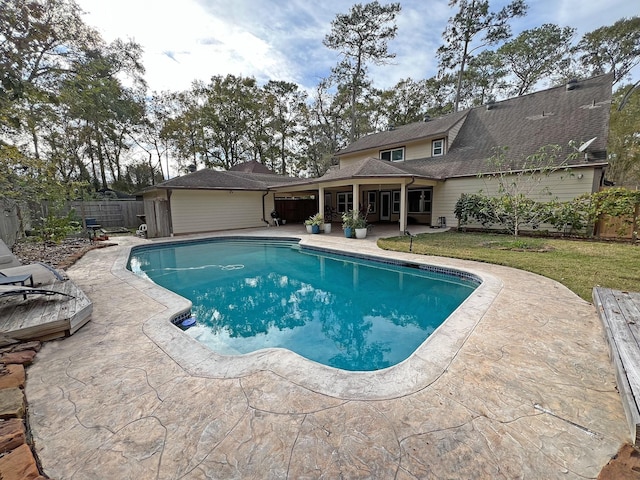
{"points": [[579, 265]]}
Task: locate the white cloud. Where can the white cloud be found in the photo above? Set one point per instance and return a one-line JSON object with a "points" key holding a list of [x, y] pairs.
{"points": [[271, 39]]}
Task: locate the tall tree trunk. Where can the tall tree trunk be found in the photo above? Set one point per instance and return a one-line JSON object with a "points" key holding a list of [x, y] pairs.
{"points": [[460, 73], [284, 161]]}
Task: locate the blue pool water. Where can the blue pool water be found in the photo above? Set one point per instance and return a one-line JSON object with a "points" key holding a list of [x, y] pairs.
{"points": [[345, 312]]}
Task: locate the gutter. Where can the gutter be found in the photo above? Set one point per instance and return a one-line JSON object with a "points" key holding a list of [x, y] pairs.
{"points": [[263, 214]]}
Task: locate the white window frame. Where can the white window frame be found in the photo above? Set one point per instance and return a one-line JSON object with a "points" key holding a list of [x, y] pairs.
{"points": [[372, 200], [437, 147], [426, 200], [344, 201], [395, 201], [391, 155]]}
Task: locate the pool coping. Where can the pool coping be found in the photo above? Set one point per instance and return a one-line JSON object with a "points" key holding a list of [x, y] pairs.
{"points": [[423, 367]]}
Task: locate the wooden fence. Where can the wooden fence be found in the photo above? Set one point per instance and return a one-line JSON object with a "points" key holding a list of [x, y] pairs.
{"points": [[111, 213], [9, 221], [15, 218], [617, 228]]}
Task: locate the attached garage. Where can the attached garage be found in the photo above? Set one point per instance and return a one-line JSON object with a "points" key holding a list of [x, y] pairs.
{"points": [[194, 211], [210, 200]]}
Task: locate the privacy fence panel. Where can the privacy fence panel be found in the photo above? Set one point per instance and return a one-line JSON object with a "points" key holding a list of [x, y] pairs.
{"points": [[9, 222], [111, 213]]}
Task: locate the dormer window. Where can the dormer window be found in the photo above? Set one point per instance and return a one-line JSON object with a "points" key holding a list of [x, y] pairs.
{"points": [[437, 147], [394, 155]]}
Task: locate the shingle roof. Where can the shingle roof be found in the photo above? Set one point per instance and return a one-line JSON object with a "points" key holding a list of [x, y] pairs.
{"points": [[523, 124], [369, 167], [406, 133], [251, 166], [227, 180]]}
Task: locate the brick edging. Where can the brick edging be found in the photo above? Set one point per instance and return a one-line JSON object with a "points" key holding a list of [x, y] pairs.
{"points": [[18, 459]]}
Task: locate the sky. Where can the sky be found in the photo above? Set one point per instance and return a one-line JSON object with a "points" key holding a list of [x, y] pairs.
{"points": [[189, 40]]}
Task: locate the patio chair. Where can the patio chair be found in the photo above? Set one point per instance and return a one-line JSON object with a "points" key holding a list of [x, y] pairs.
{"points": [[142, 230], [276, 218], [10, 290]]}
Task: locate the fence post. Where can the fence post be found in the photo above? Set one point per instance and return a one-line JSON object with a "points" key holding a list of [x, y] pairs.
{"points": [[634, 232]]}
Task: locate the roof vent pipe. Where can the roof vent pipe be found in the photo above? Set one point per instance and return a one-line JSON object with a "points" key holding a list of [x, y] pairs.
{"points": [[491, 104], [572, 84], [426, 118]]}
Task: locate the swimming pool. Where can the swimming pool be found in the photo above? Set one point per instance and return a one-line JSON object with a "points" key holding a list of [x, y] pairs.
{"points": [[346, 312]]}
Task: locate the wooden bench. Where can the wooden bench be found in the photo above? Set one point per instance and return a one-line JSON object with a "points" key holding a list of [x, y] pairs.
{"points": [[620, 315]]}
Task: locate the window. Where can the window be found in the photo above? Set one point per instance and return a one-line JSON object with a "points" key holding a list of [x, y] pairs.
{"points": [[345, 202], [420, 201], [395, 208], [395, 155], [372, 198], [437, 147]]}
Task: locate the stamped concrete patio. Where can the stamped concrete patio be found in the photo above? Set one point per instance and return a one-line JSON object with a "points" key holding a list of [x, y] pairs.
{"points": [[517, 384]]}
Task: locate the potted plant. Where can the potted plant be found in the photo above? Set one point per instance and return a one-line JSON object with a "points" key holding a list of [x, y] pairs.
{"points": [[347, 223], [315, 221], [308, 223], [360, 226]]}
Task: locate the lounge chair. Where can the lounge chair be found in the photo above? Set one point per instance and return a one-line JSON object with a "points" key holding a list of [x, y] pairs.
{"points": [[7, 258], [42, 274], [10, 290]]}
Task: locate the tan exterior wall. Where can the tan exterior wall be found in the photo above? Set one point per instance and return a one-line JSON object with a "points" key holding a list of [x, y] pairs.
{"points": [[412, 151], [453, 133], [194, 211], [564, 185]]}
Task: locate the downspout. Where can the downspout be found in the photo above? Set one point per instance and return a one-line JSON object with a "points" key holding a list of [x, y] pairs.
{"points": [[404, 200], [263, 214], [169, 192]]}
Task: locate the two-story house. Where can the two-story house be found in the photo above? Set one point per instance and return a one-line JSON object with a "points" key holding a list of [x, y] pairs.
{"points": [[417, 172]]}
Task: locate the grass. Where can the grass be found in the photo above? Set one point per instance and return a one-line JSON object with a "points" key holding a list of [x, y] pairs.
{"points": [[578, 264]]}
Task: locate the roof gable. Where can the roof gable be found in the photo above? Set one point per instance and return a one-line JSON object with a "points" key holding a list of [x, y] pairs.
{"points": [[252, 166], [412, 132], [207, 179], [524, 124]]}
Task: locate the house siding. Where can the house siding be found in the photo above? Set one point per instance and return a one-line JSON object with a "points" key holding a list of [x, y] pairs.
{"points": [[419, 150], [564, 185], [197, 211], [412, 152], [453, 133]]}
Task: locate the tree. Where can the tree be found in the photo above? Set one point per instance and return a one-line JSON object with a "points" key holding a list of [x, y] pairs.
{"points": [[148, 134], [103, 107], [182, 128], [406, 102], [624, 141], [361, 36], [535, 54], [228, 110], [521, 185], [612, 49], [287, 103], [484, 80], [324, 130], [39, 41], [472, 19]]}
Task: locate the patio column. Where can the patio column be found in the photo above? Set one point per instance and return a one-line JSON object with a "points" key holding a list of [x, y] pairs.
{"points": [[356, 197], [321, 200], [403, 207]]}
